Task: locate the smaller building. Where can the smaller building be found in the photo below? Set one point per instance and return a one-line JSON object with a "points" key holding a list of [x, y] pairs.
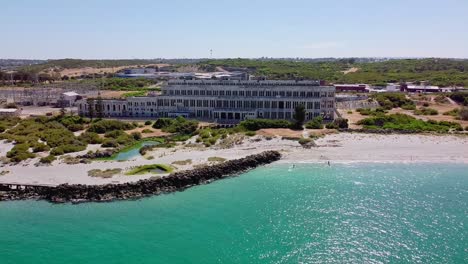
{"points": [[362, 88], [4, 112], [69, 99], [422, 89]]}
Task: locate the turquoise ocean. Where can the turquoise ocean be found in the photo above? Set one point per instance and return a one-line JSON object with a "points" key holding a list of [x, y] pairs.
{"points": [[313, 213]]}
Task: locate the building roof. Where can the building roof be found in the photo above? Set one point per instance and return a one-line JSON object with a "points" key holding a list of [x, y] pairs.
{"points": [[71, 94], [8, 110]]}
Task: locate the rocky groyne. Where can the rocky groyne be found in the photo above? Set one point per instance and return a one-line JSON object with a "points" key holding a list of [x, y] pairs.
{"points": [[174, 182]]}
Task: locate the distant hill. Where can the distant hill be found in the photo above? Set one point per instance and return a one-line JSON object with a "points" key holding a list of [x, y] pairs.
{"points": [[10, 64], [442, 72]]}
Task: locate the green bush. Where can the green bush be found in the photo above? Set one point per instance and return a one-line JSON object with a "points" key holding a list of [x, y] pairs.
{"points": [[114, 134], [393, 100], [19, 153], [75, 127], [162, 123], [402, 122], [40, 147], [315, 123], [148, 123], [426, 111], [110, 143], [338, 123], [47, 160], [90, 138], [136, 135], [103, 126], [64, 149], [256, 124], [250, 133]]}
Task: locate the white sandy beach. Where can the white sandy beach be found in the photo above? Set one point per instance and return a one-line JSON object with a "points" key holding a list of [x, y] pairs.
{"points": [[336, 148]]}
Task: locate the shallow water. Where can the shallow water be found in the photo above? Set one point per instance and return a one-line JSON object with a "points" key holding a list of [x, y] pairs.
{"points": [[357, 213], [133, 151]]}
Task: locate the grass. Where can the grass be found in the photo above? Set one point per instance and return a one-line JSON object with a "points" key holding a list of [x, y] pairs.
{"points": [[139, 170], [104, 173]]}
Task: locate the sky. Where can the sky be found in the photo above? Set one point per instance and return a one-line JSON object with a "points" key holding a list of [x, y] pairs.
{"points": [[115, 29]]}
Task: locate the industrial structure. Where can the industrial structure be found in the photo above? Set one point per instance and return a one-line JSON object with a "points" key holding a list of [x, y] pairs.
{"points": [[222, 101]]}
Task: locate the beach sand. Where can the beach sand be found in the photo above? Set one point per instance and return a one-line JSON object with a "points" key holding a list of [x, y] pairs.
{"points": [[336, 148]]}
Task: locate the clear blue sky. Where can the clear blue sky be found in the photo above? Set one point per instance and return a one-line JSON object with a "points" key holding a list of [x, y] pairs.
{"points": [[98, 29]]}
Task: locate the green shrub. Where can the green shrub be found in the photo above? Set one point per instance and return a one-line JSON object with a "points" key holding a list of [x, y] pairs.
{"points": [[114, 134], [149, 168], [426, 111], [64, 149], [136, 135], [454, 112], [250, 133], [315, 123], [393, 100], [148, 123], [40, 147], [162, 123], [425, 104], [19, 153], [402, 122], [90, 138], [338, 123], [256, 124], [75, 127], [304, 141], [110, 143], [47, 160], [103, 126]]}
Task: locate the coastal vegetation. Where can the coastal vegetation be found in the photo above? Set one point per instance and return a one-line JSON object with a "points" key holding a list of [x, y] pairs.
{"points": [[338, 123], [179, 125], [108, 173], [315, 123], [257, 124], [389, 101], [216, 159], [153, 168], [426, 111], [406, 123]]}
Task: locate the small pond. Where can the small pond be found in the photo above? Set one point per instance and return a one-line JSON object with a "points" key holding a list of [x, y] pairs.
{"points": [[134, 151]]}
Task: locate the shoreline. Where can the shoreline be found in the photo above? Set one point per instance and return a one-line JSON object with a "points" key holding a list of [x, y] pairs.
{"points": [[178, 181], [339, 148]]}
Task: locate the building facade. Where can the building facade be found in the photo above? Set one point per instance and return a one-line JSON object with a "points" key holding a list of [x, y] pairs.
{"points": [[224, 101]]}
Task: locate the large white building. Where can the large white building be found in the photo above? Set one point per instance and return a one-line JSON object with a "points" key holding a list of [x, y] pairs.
{"points": [[224, 101]]}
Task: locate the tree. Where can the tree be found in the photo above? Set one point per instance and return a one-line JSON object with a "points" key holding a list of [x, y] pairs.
{"points": [[99, 106], [63, 111], [91, 112], [299, 116]]}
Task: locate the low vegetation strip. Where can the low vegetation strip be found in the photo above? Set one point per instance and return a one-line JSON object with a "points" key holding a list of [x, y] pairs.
{"points": [[153, 168], [174, 182], [402, 122]]}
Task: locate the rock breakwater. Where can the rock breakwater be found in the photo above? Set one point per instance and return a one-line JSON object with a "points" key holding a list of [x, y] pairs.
{"points": [[174, 182]]}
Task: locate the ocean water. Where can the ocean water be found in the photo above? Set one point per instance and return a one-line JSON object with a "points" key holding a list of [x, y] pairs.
{"points": [[356, 213]]}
